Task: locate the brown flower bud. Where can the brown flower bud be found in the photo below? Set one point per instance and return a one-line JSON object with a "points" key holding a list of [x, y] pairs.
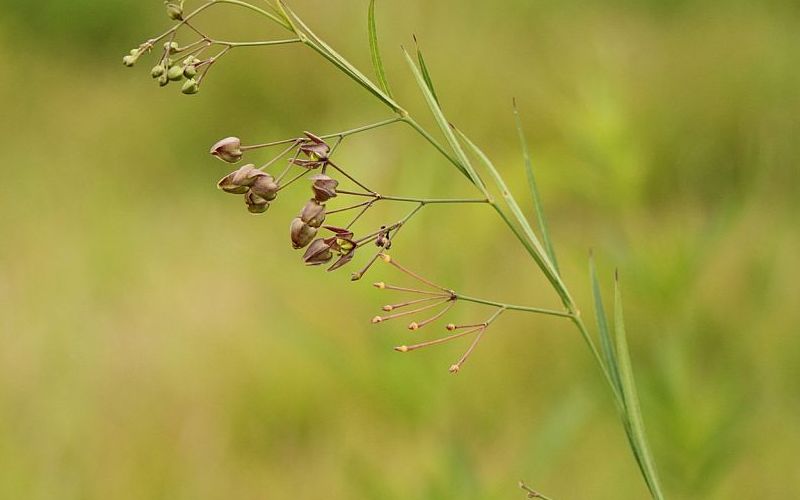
{"points": [[265, 186], [301, 233], [324, 187], [318, 253], [255, 203], [238, 181], [228, 149], [313, 213]]}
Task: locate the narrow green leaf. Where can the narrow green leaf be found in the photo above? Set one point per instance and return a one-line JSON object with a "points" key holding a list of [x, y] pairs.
{"points": [[606, 341], [425, 73], [464, 164], [377, 62], [635, 423], [548, 245]]}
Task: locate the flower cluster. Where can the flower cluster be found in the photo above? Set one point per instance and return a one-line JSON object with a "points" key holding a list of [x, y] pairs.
{"points": [[432, 297]]}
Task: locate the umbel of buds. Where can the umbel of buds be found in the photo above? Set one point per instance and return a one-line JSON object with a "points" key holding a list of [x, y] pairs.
{"points": [[228, 149]]}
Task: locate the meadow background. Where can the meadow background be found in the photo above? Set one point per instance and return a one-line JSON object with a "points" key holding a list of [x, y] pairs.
{"points": [[156, 341]]}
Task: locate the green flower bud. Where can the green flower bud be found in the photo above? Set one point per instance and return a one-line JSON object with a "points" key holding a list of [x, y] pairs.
{"points": [[190, 86], [190, 71], [129, 60], [174, 12], [163, 81], [157, 71], [171, 47], [175, 73]]}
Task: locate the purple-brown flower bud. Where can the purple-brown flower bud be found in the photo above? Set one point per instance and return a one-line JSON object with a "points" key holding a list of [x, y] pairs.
{"points": [[238, 181], [265, 186], [324, 187], [255, 203], [318, 253], [228, 149], [301, 233], [313, 213]]}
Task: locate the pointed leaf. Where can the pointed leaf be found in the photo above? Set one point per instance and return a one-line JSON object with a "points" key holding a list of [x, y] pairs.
{"points": [[635, 422], [425, 73], [534, 190], [606, 341], [377, 62]]}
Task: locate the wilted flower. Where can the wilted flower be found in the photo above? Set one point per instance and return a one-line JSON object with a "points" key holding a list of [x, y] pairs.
{"points": [[315, 149], [318, 253], [324, 187], [228, 149], [255, 203], [313, 213], [265, 186], [344, 259], [239, 181], [301, 233]]}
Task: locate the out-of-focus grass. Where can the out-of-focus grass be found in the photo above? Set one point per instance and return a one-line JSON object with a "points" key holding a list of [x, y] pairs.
{"points": [[158, 342]]}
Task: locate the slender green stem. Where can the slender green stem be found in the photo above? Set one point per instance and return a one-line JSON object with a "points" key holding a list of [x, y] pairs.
{"points": [[513, 307], [259, 10], [255, 44]]}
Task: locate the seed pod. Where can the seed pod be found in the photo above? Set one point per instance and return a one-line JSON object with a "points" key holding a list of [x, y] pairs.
{"points": [[157, 71], [313, 213], [190, 86], [190, 71], [265, 186], [324, 187], [174, 12], [239, 181], [318, 253], [175, 73], [301, 233], [255, 204], [228, 149], [171, 47]]}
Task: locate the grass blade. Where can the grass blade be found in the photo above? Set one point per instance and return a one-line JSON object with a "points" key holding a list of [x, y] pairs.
{"points": [[465, 165], [548, 245], [606, 341], [425, 73], [374, 50], [635, 423]]}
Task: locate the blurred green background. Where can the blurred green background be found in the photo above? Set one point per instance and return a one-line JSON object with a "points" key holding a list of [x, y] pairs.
{"points": [[156, 341]]}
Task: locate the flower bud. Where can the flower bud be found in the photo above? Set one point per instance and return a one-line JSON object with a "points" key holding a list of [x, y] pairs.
{"points": [[157, 71], [190, 86], [255, 203], [175, 73], [174, 12], [171, 47], [324, 187], [313, 213], [228, 149], [319, 252], [190, 71], [265, 186], [239, 181], [163, 80], [301, 233], [130, 59]]}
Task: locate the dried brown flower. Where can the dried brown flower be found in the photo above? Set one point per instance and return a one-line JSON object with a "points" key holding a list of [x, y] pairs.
{"points": [[319, 252], [313, 213], [255, 203], [228, 149], [324, 187], [239, 181], [301, 233]]}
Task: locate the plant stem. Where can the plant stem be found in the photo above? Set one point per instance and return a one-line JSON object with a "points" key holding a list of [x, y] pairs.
{"points": [[513, 307]]}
